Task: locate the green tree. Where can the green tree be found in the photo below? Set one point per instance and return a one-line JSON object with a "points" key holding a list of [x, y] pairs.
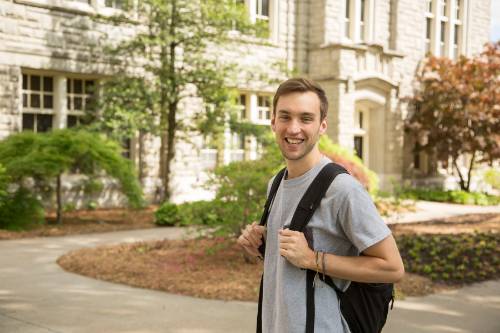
{"points": [[176, 49], [456, 110], [45, 158]]}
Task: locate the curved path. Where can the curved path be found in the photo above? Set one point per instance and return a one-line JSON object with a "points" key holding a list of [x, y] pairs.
{"points": [[37, 296]]}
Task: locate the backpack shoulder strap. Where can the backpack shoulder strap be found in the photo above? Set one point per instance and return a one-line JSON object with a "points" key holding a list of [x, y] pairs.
{"points": [[313, 195], [272, 194]]}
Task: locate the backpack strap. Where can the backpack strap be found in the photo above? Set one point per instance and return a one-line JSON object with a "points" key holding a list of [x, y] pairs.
{"points": [[269, 202], [262, 248], [302, 215], [305, 210], [313, 195]]}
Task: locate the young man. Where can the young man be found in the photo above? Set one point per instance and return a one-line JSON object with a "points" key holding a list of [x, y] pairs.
{"points": [[344, 225]]}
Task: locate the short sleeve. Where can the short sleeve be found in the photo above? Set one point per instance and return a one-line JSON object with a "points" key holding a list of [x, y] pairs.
{"points": [[358, 215]]}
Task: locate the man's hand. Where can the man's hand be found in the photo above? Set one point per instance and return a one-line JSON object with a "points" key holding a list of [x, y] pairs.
{"points": [[294, 247], [251, 238]]}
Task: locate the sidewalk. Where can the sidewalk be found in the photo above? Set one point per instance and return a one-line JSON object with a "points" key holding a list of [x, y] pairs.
{"points": [[37, 296], [428, 210]]}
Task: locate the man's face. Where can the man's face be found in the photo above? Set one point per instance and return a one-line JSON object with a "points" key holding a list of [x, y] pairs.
{"points": [[297, 125]]}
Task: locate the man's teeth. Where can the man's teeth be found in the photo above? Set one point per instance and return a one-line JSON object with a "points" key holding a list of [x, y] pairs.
{"points": [[294, 141]]}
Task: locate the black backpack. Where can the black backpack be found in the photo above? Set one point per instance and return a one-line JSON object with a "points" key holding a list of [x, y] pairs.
{"points": [[363, 305]]}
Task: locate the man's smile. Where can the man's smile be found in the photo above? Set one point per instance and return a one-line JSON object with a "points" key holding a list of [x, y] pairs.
{"points": [[294, 141]]}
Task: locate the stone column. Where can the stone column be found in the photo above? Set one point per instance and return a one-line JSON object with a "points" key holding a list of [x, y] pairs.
{"points": [[60, 102]]}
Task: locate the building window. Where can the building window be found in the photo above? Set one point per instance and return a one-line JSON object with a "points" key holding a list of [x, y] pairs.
{"points": [[263, 107], [358, 18], [362, 20], [358, 146], [262, 9], [80, 96], [38, 102], [347, 20], [360, 134], [242, 106], [118, 4], [443, 27]]}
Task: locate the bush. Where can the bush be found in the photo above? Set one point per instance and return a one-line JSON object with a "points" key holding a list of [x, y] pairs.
{"points": [[167, 214], [351, 162], [452, 258], [199, 213], [458, 197], [20, 210], [492, 177]]}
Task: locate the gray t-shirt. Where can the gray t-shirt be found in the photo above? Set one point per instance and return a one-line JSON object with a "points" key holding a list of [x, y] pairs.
{"points": [[345, 223]]}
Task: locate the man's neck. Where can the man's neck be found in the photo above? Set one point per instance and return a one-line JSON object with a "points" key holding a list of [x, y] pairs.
{"points": [[299, 167]]}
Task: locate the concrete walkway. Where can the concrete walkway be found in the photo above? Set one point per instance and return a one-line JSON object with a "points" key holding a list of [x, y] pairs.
{"points": [[428, 210], [37, 296]]}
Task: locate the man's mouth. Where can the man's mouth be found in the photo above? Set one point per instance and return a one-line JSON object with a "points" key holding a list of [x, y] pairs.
{"points": [[294, 141]]}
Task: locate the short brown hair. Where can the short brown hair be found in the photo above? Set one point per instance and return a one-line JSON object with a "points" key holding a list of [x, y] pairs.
{"points": [[302, 85]]}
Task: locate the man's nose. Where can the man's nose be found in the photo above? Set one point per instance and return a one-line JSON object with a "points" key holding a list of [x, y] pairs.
{"points": [[294, 127]]}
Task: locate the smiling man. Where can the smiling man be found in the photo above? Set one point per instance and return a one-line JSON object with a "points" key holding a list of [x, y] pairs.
{"points": [[345, 225]]}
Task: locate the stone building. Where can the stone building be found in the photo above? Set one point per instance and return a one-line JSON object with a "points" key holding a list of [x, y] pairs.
{"points": [[363, 52]]}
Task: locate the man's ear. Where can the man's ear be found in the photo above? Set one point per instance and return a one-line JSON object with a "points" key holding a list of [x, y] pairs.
{"points": [[273, 123], [323, 126]]}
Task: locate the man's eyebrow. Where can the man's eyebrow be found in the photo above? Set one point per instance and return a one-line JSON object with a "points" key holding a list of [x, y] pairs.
{"points": [[286, 112]]}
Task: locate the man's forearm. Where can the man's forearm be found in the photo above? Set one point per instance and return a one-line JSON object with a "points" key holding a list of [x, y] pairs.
{"points": [[358, 268]]}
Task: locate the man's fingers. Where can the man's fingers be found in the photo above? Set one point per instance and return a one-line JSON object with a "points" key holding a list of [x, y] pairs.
{"points": [[252, 251]]}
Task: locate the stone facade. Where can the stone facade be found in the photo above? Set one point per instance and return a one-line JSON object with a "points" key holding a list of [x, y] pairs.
{"points": [[364, 53]]}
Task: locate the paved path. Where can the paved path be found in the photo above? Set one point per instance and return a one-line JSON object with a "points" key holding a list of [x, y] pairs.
{"points": [[37, 296], [428, 210]]}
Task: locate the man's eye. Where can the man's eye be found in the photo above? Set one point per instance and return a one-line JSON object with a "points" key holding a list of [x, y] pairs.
{"points": [[307, 120]]}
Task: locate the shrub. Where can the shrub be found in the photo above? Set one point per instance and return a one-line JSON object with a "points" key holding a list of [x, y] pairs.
{"points": [[458, 197], [45, 157], [492, 177], [167, 214], [351, 162], [199, 213], [20, 210], [452, 258]]}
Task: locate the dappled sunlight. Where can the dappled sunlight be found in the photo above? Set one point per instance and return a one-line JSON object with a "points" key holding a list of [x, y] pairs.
{"points": [[17, 306], [421, 306]]}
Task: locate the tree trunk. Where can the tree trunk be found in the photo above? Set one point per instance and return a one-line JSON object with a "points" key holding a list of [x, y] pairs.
{"points": [[469, 173], [172, 127], [462, 181], [59, 200]]}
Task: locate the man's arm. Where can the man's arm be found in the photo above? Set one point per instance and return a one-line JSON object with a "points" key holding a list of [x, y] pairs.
{"points": [[251, 238], [380, 262]]}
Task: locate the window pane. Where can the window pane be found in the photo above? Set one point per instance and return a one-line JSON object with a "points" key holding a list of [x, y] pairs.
{"points": [[78, 86], [68, 86], [47, 84], [35, 100], [47, 101], [25, 81], [28, 122], [43, 122], [428, 28], [358, 146], [443, 31], [89, 86], [77, 103], [35, 82], [265, 7], [25, 100], [457, 32], [363, 3], [347, 8], [68, 105], [72, 121], [457, 10]]}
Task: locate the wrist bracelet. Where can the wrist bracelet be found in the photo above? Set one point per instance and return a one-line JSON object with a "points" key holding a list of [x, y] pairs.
{"points": [[323, 265]]}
